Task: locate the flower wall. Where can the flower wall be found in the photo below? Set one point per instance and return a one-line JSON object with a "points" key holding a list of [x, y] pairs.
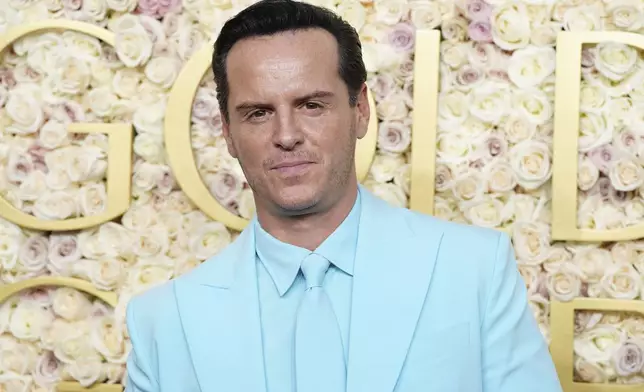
{"points": [[494, 161]]}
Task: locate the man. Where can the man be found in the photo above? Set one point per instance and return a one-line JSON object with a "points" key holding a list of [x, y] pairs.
{"points": [[329, 289]]}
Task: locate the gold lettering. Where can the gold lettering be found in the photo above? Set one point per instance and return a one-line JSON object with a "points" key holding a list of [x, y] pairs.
{"points": [[120, 141], [565, 151], [179, 147], [424, 128]]}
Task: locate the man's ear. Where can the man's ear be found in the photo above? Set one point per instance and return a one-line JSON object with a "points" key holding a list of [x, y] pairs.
{"points": [[363, 112], [225, 130]]}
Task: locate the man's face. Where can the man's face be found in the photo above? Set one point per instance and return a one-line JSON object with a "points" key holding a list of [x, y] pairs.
{"points": [[291, 125]]}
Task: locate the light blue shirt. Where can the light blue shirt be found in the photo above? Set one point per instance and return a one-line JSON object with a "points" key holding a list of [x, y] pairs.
{"points": [[281, 288]]}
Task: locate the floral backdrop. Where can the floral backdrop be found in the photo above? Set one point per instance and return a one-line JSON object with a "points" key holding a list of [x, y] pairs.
{"points": [[494, 161]]}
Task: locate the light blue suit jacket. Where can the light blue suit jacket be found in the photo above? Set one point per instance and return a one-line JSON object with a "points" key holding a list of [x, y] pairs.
{"points": [[437, 306]]}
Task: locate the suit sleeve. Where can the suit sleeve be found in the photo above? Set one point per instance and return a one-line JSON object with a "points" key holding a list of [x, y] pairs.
{"points": [[139, 375], [515, 355]]}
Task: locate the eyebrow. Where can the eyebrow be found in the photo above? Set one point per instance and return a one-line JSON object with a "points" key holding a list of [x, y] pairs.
{"points": [[254, 105]]}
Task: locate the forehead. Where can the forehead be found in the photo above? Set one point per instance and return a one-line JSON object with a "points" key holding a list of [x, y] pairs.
{"points": [[283, 63]]}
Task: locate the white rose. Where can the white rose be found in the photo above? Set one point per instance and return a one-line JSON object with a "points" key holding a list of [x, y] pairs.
{"points": [[33, 186], [24, 112], [29, 320], [394, 136], [622, 282], [490, 102], [531, 242], [149, 147], [598, 344], [593, 263], [95, 9], [565, 283], [452, 108], [149, 118], [246, 204], [626, 175], [500, 176], [101, 101], [144, 276], [33, 254], [56, 205], [124, 6], [92, 199], [556, 256], [634, 211], [146, 175], [86, 369], [531, 163], [74, 347], [133, 46], [71, 75], [468, 187], [587, 174], [150, 243], [140, 218], [626, 14], [485, 212], [107, 338], [594, 130], [615, 60], [583, 18], [86, 47], [426, 15], [47, 369], [453, 147], [106, 274], [454, 54], [53, 134], [391, 193], [510, 26], [162, 71], [353, 12], [209, 240], [64, 251], [384, 167], [190, 38], [545, 34], [126, 82], [402, 178], [518, 128], [392, 107], [592, 98], [530, 66], [70, 304], [534, 105], [390, 11]]}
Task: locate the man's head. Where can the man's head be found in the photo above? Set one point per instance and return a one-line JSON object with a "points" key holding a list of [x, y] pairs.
{"points": [[291, 88]]}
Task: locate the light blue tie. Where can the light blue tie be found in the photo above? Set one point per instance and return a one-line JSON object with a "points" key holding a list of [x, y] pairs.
{"points": [[319, 356]]}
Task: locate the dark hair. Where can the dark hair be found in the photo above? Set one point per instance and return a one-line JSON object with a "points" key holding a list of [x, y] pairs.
{"points": [[268, 17]]}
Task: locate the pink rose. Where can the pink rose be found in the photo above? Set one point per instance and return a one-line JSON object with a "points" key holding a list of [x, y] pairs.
{"points": [[629, 358], [382, 85], [157, 8], [402, 37], [603, 157], [225, 187], [47, 370], [467, 76], [33, 253], [7, 78], [480, 31], [478, 11]]}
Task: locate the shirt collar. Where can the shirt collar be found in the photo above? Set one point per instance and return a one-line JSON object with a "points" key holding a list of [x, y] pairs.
{"points": [[283, 260]]}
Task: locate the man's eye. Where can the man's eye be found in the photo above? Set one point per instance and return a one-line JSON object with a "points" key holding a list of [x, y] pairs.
{"points": [[258, 113], [312, 105]]}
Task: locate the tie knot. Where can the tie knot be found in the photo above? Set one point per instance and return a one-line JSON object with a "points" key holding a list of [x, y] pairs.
{"points": [[314, 268]]}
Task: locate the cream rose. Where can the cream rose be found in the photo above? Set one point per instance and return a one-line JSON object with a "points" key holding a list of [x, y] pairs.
{"points": [[468, 187], [209, 240], [149, 118], [151, 243], [33, 254], [126, 82], [452, 108], [33, 186], [107, 338], [71, 75], [485, 212], [500, 176], [384, 167], [56, 205], [593, 98], [510, 26], [29, 320], [517, 128], [590, 371], [75, 346], [615, 60], [53, 134], [70, 304], [530, 66], [490, 102], [24, 112], [565, 283], [453, 147], [534, 105], [531, 163], [149, 147], [583, 18], [626, 175], [587, 174], [143, 276], [626, 14], [140, 218], [133, 46], [92, 199], [593, 263], [162, 71], [531, 242], [622, 282]]}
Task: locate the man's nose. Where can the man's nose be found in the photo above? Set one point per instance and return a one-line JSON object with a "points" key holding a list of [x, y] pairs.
{"points": [[287, 133]]}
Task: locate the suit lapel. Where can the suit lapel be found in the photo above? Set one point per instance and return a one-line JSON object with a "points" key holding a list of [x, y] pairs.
{"points": [[219, 310], [392, 273]]}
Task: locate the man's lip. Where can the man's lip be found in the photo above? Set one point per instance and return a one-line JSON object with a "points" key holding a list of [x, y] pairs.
{"points": [[290, 164]]}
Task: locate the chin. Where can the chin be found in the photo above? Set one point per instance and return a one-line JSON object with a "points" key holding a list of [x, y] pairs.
{"points": [[297, 200]]}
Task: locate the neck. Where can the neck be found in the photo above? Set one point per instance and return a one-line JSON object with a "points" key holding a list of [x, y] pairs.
{"points": [[309, 230]]}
